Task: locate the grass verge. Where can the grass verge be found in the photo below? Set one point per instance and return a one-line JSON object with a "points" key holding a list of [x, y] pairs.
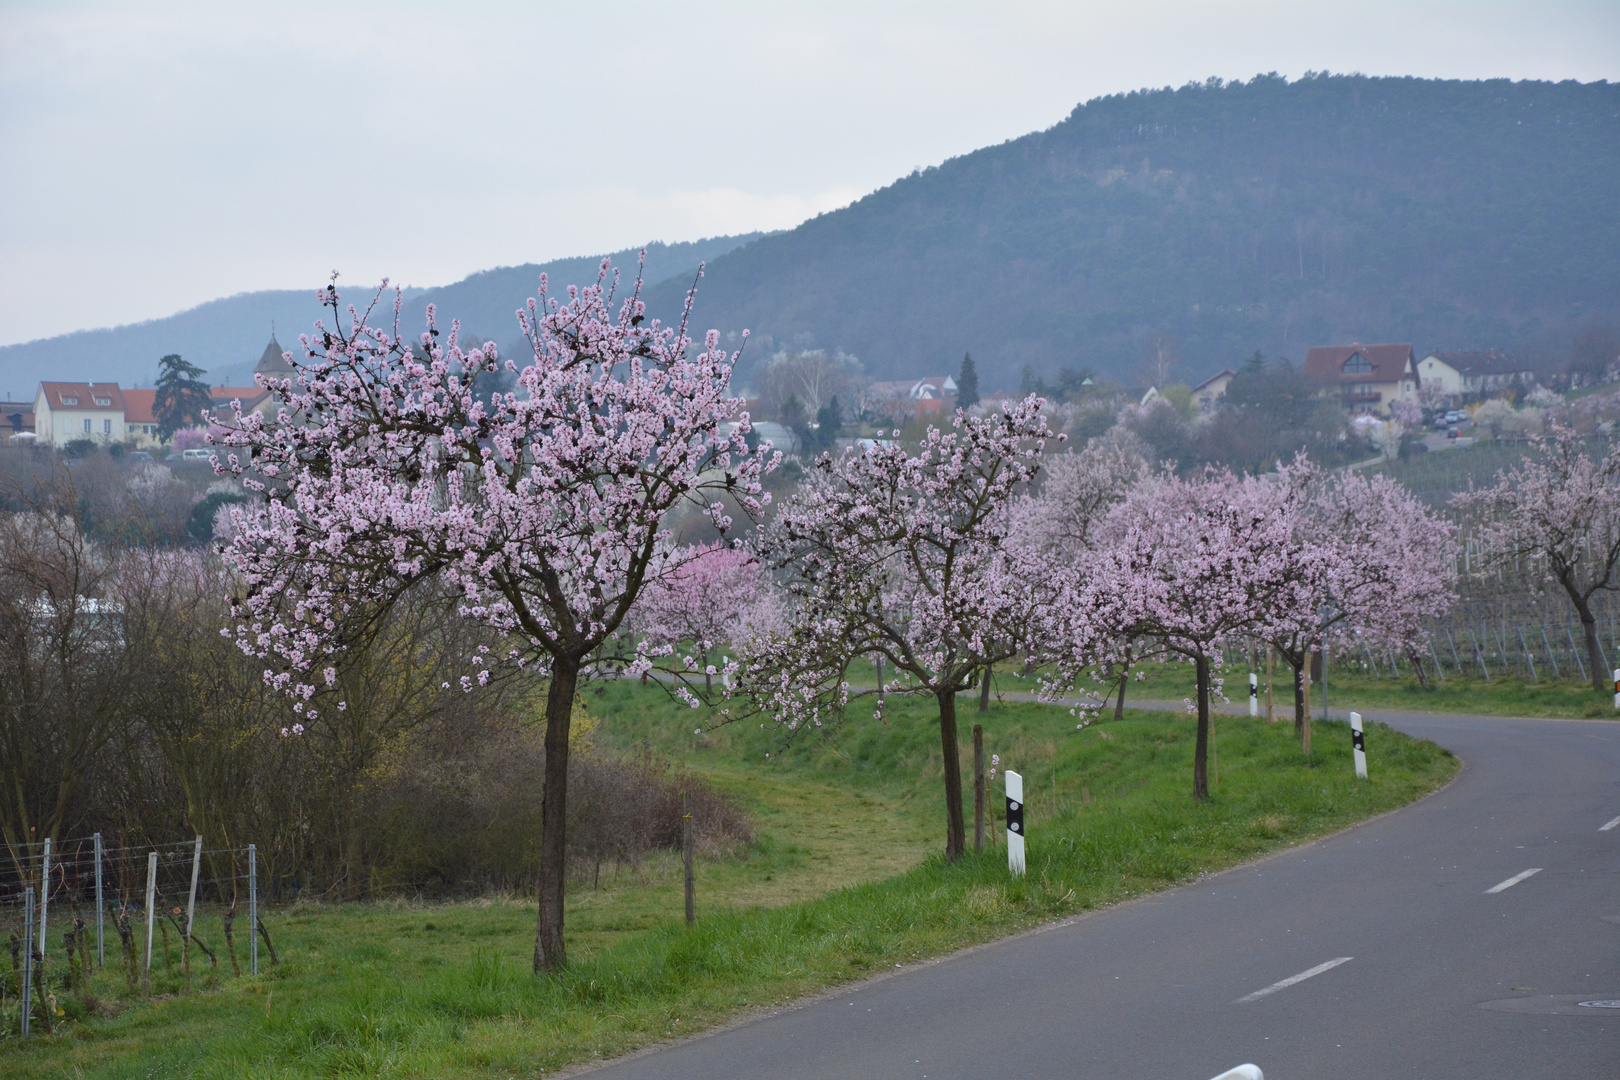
{"points": [[404, 989]]}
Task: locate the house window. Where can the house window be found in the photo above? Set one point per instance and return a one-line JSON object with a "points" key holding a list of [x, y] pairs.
{"points": [[106, 427], [87, 425], [70, 401], [104, 402], [1356, 365]]}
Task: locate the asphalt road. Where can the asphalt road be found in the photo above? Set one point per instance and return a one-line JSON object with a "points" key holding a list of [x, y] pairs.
{"points": [[1444, 978]]}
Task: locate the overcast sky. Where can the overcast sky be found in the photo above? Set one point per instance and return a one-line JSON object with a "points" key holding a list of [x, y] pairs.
{"points": [[159, 155]]}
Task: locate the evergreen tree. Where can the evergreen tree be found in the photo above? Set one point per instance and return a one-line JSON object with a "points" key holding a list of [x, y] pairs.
{"points": [[182, 398], [967, 383], [828, 425]]}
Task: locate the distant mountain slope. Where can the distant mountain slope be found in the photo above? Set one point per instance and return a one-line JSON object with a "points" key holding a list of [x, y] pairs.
{"points": [[226, 336], [1229, 217]]}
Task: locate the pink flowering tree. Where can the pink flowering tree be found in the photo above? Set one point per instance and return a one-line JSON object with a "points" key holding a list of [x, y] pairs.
{"points": [[1388, 560], [544, 508], [1558, 510], [709, 597], [1197, 563], [1057, 530], [902, 556]]}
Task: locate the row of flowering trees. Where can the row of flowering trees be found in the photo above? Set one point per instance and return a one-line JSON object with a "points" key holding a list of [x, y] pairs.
{"points": [[547, 511]]}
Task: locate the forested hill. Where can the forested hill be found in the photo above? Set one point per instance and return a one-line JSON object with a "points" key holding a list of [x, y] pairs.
{"points": [[1230, 217], [226, 337]]}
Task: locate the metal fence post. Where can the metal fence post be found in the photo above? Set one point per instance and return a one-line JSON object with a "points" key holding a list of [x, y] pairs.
{"points": [[151, 911], [28, 958], [196, 865], [253, 908], [44, 893], [101, 951]]}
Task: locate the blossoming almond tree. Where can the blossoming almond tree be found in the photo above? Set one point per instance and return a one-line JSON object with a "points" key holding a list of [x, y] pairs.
{"points": [[706, 600], [544, 508], [1196, 563], [900, 555], [1558, 509]]}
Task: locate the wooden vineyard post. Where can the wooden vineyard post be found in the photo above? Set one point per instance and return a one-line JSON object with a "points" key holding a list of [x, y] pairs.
{"points": [[1271, 665], [28, 957], [686, 856], [978, 787]]}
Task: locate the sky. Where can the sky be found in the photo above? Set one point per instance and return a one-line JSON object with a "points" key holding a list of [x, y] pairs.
{"points": [[158, 155]]}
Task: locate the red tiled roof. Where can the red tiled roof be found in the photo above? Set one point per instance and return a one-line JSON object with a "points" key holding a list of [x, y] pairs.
{"points": [[82, 396], [138, 405], [1325, 363]]}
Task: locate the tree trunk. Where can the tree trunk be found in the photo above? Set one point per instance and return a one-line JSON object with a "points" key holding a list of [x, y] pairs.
{"points": [[1594, 651], [1119, 704], [955, 828], [1201, 750], [984, 690], [549, 953]]}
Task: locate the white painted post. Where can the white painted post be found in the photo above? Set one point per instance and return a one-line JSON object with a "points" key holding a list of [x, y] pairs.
{"points": [[28, 957], [45, 887], [196, 865], [1254, 695], [1616, 705], [253, 908], [1015, 824], [151, 911], [101, 952], [1358, 745]]}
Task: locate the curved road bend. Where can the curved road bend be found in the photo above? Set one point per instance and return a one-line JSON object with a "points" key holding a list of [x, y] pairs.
{"points": [[1460, 963]]}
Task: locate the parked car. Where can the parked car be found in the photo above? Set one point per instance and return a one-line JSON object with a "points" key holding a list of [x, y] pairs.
{"points": [[138, 455], [1453, 432], [196, 453]]}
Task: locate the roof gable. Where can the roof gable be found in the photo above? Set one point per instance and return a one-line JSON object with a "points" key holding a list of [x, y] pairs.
{"points": [[85, 397], [1385, 363]]}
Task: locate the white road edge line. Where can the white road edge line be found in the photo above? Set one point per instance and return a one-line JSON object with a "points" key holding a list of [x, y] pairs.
{"points": [[1512, 881], [1610, 825], [1292, 979]]}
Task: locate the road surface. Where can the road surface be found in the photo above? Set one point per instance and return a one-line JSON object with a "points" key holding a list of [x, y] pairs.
{"points": [[1454, 938]]}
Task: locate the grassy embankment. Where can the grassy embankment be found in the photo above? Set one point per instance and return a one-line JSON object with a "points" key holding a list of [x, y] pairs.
{"points": [[840, 885], [1506, 695]]}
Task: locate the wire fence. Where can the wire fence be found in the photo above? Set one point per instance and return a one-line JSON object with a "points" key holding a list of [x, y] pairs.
{"points": [[71, 908]]}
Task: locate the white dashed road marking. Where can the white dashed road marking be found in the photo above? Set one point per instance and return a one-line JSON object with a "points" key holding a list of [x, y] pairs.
{"points": [[1610, 825], [1512, 881], [1292, 979]]}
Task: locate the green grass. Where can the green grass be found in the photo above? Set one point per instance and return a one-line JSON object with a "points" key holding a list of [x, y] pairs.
{"points": [[841, 885], [1505, 695]]}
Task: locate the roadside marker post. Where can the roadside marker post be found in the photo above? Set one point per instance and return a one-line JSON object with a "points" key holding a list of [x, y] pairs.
{"points": [[1254, 695], [1616, 705], [1358, 745], [1015, 824]]}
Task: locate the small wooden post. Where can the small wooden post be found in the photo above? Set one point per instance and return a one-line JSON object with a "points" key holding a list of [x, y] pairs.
{"points": [[151, 912], [686, 856], [984, 691], [1271, 664], [978, 787]]}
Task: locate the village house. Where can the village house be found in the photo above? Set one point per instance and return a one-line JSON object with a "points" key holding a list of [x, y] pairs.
{"points": [[1461, 374], [17, 419], [903, 398], [1211, 390], [1365, 378], [67, 411]]}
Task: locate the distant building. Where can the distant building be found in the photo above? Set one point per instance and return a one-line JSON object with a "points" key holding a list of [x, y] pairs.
{"points": [[1212, 389], [903, 398], [1470, 374], [140, 418], [64, 412], [16, 418], [1365, 378]]}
